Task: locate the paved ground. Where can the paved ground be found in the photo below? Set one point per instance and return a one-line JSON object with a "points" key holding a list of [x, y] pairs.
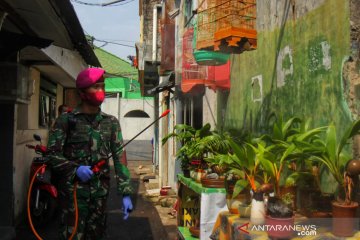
{"points": [[139, 150], [144, 222]]}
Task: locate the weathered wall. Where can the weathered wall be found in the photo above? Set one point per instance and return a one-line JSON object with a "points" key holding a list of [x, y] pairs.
{"points": [[27, 121], [147, 33], [297, 67], [130, 125]]}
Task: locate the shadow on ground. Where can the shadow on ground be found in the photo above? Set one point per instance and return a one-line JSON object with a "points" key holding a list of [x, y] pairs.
{"points": [[144, 222]]}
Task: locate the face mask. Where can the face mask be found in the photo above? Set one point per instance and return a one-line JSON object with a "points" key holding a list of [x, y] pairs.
{"points": [[94, 98]]}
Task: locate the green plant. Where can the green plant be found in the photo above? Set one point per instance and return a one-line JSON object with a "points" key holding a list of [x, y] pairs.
{"points": [[277, 147], [288, 199], [188, 137], [289, 143], [241, 161], [334, 158]]}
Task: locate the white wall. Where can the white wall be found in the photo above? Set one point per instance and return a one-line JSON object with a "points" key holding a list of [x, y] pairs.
{"points": [[209, 108], [29, 113], [70, 61], [131, 126]]}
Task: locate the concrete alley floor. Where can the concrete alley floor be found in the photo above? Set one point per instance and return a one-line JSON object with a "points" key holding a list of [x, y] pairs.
{"points": [[147, 221]]}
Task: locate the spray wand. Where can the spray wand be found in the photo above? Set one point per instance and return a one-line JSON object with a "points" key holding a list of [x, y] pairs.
{"points": [[97, 167]]}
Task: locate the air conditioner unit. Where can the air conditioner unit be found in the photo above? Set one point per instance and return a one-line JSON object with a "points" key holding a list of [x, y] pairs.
{"points": [[15, 83]]}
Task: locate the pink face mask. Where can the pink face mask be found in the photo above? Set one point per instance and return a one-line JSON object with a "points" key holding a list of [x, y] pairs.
{"points": [[94, 98]]}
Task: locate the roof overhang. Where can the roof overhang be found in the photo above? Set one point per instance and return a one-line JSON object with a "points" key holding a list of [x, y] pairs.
{"points": [[55, 20], [46, 35]]}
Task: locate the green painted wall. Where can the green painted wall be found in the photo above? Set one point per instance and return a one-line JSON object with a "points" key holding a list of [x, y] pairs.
{"points": [[300, 64]]}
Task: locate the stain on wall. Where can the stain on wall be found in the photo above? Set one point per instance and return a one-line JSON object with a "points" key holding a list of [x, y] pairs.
{"points": [[300, 60]]}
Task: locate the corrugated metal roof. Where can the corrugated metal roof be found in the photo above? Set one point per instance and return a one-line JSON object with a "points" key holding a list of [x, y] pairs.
{"points": [[116, 66]]}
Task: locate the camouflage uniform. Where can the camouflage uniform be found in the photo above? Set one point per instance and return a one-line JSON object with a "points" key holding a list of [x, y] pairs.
{"points": [[83, 139]]}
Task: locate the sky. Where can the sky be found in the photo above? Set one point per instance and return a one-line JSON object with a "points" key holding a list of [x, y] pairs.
{"points": [[118, 23]]}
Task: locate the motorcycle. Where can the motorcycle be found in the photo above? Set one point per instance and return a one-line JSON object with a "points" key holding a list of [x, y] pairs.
{"points": [[42, 193]]}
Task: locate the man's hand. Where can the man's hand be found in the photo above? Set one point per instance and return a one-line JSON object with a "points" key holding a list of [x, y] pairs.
{"points": [[127, 206], [84, 173]]}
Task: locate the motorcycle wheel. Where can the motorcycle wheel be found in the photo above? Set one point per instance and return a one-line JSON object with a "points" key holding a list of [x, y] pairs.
{"points": [[46, 208]]}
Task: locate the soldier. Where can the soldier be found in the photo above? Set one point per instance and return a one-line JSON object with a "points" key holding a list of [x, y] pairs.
{"points": [[79, 140], [63, 108]]}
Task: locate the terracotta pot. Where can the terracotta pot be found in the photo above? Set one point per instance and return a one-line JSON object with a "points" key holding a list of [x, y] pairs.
{"points": [[344, 219], [195, 231], [287, 226], [213, 183]]}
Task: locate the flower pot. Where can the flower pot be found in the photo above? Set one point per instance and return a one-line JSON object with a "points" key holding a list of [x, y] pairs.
{"points": [[213, 183], [197, 174], [257, 216], [243, 198], [344, 219], [195, 231], [244, 211], [285, 224]]}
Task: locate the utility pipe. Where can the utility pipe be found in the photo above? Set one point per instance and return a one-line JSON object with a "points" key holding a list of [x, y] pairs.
{"points": [[162, 165], [154, 42]]}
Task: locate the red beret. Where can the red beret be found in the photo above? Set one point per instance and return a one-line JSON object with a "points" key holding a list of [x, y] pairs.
{"points": [[88, 77]]}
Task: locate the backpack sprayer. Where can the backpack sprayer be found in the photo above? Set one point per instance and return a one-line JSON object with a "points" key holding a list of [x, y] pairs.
{"points": [[95, 168]]}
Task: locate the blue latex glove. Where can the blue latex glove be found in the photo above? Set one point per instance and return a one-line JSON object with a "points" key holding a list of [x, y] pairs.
{"points": [[84, 173], [127, 206]]}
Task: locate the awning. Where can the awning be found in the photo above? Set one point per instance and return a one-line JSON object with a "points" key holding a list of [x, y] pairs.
{"points": [[12, 42], [166, 84]]}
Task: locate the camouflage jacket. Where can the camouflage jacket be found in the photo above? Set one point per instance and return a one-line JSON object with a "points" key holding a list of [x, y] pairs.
{"points": [[82, 139]]}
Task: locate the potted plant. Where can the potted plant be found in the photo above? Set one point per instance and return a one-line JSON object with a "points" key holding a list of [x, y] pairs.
{"points": [[280, 213], [214, 144], [188, 137], [288, 144], [243, 163], [334, 158], [281, 152]]}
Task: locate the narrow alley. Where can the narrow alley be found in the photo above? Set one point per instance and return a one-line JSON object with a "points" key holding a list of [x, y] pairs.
{"points": [[144, 223], [244, 118]]}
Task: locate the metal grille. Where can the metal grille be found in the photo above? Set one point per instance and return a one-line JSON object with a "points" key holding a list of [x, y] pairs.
{"points": [[206, 24], [235, 13], [191, 70]]}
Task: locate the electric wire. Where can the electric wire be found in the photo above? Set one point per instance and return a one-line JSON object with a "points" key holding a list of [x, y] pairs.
{"points": [[115, 4], [103, 41]]}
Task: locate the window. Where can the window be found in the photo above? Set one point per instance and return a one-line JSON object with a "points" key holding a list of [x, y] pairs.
{"points": [[137, 114], [47, 113]]}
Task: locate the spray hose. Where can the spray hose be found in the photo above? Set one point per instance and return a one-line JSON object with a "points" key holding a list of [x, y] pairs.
{"points": [[95, 168], [29, 211], [28, 202]]}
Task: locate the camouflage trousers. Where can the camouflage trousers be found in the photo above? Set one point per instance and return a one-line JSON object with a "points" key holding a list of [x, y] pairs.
{"points": [[91, 212]]}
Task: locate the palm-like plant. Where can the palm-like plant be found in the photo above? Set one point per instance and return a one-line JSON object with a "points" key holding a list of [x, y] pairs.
{"points": [[241, 161], [335, 158], [290, 141]]}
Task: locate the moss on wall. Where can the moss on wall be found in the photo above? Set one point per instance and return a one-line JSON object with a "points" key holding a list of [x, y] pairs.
{"points": [[300, 69]]}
